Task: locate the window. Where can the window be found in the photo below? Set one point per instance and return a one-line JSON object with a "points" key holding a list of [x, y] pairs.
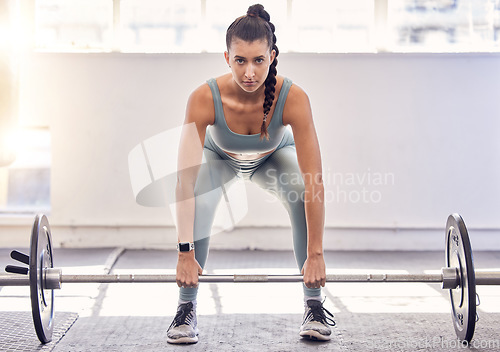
{"points": [[183, 26], [160, 26], [302, 25], [25, 184], [332, 26], [444, 25], [74, 25]]}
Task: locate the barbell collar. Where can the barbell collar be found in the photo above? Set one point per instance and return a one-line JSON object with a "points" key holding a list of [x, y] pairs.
{"points": [[52, 278], [450, 277]]}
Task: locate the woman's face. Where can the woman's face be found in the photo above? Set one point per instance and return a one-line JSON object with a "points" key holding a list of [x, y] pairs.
{"points": [[249, 62]]}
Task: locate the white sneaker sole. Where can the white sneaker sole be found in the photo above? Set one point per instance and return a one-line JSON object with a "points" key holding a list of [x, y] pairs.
{"points": [[314, 335], [184, 340]]}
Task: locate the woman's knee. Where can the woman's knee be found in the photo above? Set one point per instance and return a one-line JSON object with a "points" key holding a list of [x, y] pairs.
{"points": [[206, 202], [292, 193]]}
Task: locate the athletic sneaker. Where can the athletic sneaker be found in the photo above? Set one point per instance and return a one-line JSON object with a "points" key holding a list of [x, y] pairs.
{"points": [[316, 325], [183, 329]]}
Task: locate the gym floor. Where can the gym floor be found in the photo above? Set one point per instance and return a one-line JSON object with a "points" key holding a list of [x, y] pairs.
{"points": [[248, 316]]}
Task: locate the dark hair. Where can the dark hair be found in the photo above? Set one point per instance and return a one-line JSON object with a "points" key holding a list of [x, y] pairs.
{"points": [[256, 25]]}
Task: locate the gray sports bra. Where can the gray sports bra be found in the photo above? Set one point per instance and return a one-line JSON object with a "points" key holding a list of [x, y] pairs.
{"points": [[237, 143]]}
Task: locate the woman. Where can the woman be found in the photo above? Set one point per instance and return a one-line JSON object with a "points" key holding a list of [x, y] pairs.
{"points": [[246, 113]]}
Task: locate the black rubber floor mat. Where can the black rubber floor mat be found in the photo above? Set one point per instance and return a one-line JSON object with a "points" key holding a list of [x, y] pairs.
{"points": [[17, 332]]}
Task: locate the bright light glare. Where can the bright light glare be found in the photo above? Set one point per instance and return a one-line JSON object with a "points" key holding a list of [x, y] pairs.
{"points": [[12, 36], [14, 140], [7, 148], [28, 147]]}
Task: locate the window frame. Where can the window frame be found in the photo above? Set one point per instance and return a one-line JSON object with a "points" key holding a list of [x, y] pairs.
{"points": [[380, 42]]}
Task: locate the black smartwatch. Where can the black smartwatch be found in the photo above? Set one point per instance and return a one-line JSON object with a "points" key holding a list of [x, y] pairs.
{"points": [[185, 246]]}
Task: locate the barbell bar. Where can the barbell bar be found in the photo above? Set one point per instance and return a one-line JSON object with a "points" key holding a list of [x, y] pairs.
{"points": [[54, 278], [459, 277]]}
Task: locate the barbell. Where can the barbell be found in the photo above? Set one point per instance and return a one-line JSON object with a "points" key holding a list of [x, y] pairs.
{"points": [[459, 277]]}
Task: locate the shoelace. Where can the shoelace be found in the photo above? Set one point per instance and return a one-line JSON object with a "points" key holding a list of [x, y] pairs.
{"points": [[182, 315], [318, 312]]}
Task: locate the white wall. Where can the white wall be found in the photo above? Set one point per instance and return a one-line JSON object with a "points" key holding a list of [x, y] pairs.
{"points": [[428, 124]]}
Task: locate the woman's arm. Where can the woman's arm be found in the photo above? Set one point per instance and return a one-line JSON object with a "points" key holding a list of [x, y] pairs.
{"points": [[298, 114], [199, 114]]}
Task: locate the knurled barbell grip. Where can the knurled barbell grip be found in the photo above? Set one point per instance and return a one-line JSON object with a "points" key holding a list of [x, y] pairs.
{"points": [[130, 278], [448, 276]]}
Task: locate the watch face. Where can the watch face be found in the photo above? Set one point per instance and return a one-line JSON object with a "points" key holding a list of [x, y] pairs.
{"points": [[184, 247]]}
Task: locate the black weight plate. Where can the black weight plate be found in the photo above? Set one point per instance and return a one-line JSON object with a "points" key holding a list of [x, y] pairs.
{"points": [[463, 298], [42, 300]]}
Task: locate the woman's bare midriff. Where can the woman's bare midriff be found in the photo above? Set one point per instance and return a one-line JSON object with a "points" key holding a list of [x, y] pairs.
{"points": [[248, 157]]}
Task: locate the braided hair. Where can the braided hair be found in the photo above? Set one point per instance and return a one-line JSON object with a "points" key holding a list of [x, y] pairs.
{"points": [[253, 26]]}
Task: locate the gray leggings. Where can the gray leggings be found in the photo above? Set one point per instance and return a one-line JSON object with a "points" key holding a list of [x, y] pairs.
{"points": [[277, 173]]}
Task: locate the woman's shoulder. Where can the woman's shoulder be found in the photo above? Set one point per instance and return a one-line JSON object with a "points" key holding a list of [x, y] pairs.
{"points": [[222, 80], [201, 105], [295, 91], [297, 103], [279, 82], [201, 97], [203, 93], [281, 79]]}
